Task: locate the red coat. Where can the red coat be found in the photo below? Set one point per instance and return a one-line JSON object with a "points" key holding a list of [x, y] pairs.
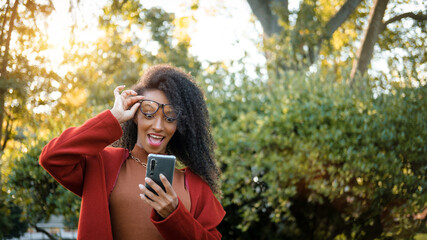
{"points": [[80, 160]]}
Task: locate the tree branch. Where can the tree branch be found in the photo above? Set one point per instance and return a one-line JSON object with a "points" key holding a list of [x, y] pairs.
{"points": [[341, 16], [335, 22], [39, 229], [418, 17], [366, 49]]}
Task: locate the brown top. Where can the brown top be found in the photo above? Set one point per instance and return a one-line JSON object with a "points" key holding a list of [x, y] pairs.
{"points": [[130, 215]]}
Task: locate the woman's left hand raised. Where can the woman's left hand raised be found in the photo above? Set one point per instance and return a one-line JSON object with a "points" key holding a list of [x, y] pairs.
{"points": [[165, 202]]}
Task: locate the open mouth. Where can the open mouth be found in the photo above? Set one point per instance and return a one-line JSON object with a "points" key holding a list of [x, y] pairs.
{"points": [[155, 140]]}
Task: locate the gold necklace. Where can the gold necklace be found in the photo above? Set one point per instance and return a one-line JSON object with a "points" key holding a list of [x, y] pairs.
{"points": [[137, 160]]}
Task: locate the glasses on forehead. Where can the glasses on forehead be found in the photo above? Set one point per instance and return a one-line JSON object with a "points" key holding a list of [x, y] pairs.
{"points": [[150, 107]]}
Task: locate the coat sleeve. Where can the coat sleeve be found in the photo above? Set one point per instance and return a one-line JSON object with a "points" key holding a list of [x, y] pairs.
{"points": [[206, 214], [64, 157]]}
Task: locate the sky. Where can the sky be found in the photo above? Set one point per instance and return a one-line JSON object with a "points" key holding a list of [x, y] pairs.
{"points": [[220, 26]]}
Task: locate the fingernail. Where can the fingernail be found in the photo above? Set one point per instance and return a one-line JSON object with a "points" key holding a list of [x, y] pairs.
{"points": [[141, 196], [147, 180], [141, 186], [161, 175]]}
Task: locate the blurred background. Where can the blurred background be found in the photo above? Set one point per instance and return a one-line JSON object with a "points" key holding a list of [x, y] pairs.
{"points": [[318, 107]]}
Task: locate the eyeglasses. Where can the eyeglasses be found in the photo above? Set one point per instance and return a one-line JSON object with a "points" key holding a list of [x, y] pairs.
{"points": [[150, 107]]}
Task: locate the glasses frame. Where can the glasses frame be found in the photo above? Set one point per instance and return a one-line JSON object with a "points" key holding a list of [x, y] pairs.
{"points": [[159, 105]]}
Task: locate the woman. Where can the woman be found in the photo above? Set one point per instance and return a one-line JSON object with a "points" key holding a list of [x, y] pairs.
{"points": [[164, 113]]}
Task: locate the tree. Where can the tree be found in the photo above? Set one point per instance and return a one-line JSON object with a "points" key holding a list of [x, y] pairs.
{"points": [[37, 192], [308, 32], [375, 27], [23, 79], [5, 59], [19, 27]]}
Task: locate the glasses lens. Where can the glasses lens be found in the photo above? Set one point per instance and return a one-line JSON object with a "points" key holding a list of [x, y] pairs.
{"points": [[169, 111], [149, 107]]}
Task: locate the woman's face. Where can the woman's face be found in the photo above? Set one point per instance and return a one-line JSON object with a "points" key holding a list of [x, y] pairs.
{"points": [[154, 131]]}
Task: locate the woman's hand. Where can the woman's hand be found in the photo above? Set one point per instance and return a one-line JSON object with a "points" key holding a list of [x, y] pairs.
{"points": [[166, 202], [125, 104]]}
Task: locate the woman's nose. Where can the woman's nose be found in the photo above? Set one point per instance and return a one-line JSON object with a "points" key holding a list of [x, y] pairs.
{"points": [[158, 124]]}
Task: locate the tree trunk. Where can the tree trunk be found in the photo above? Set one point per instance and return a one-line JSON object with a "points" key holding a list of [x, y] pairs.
{"points": [[263, 10], [4, 22], [7, 132], [3, 71], [364, 53], [2, 112]]}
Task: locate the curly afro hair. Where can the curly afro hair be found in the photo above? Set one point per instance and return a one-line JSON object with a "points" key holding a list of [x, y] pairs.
{"points": [[192, 143]]}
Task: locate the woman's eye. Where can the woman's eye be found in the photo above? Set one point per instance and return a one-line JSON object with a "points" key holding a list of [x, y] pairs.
{"points": [[169, 120], [149, 116]]}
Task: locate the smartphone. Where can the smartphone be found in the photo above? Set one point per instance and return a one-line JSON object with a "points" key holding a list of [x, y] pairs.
{"points": [[156, 164]]}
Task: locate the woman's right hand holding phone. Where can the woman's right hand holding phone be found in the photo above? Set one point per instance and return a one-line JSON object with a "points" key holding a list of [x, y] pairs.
{"points": [[163, 202], [125, 104]]}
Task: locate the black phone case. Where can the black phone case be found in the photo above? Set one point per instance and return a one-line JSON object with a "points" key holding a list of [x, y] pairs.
{"points": [[157, 164]]}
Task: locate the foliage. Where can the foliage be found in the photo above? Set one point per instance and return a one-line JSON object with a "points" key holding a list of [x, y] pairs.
{"points": [[37, 192], [10, 224], [26, 82], [311, 159], [132, 38], [25, 77]]}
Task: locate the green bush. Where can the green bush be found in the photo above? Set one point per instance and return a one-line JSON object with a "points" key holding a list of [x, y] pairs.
{"points": [[34, 190], [304, 157], [10, 224]]}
